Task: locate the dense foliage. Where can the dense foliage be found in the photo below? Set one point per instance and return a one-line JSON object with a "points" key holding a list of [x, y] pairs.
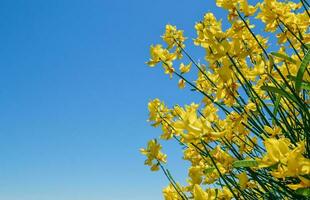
{"points": [[249, 135]]}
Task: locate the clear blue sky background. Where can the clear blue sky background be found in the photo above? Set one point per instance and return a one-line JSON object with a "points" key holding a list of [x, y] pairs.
{"points": [[74, 89]]}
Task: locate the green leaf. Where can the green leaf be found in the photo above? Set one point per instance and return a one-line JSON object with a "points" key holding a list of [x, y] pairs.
{"points": [[274, 166], [276, 106], [209, 170], [284, 57], [279, 91], [303, 65], [291, 78], [307, 176], [303, 191], [304, 85], [245, 163]]}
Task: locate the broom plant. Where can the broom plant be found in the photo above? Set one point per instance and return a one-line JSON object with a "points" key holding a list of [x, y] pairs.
{"points": [[248, 137]]}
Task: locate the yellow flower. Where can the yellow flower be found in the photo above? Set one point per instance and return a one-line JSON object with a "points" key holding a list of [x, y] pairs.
{"points": [[195, 173], [228, 5], [192, 156], [210, 113], [225, 194], [296, 163], [304, 183], [247, 9], [190, 125], [199, 193], [223, 159], [243, 180], [250, 107], [185, 68], [172, 35], [159, 54], [235, 58], [153, 153], [157, 112], [181, 84], [288, 161], [170, 193], [225, 73], [232, 6], [273, 131], [277, 150]]}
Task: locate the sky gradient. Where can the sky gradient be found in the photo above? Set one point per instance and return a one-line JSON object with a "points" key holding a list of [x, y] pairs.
{"points": [[74, 89]]}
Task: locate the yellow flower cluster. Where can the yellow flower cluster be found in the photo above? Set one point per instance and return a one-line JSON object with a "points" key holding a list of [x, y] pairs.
{"points": [[200, 194], [153, 153], [248, 137], [175, 43], [287, 161]]}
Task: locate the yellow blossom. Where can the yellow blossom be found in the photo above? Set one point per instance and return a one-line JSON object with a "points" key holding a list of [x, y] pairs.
{"points": [[173, 37], [277, 150], [185, 68], [181, 84], [273, 131], [243, 180], [199, 193], [195, 173], [235, 116], [304, 183], [170, 193], [153, 154]]}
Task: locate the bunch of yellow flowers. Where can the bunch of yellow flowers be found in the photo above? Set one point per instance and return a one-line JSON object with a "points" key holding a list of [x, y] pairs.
{"points": [[249, 135]]}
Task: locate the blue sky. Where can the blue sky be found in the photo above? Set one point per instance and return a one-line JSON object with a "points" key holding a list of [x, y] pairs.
{"points": [[74, 89]]}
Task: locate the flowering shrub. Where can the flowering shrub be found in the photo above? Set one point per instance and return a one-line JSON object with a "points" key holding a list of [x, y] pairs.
{"points": [[249, 135]]}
